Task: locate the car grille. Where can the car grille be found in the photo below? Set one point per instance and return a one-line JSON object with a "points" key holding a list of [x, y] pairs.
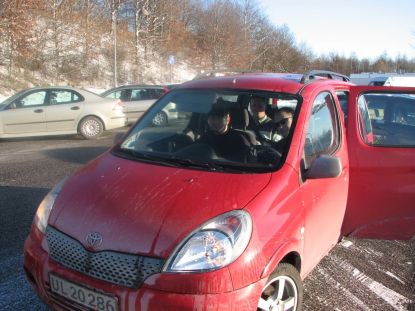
{"points": [[114, 267]]}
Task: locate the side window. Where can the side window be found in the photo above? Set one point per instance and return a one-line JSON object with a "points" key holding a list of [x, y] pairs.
{"points": [[143, 94], [365, 126], [323, 135], [120, 94], [157, 93], [115, 95], [146, 94], [390, 117], [137, 94], [343, 98], [31, 100], [63, 97]]}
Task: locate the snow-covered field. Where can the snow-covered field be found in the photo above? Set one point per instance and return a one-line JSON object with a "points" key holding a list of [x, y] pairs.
{"points": [[3, 97]]}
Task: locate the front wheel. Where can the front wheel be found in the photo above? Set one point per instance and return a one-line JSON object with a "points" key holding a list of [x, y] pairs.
{"points": [[283, 291], [91, 127]]}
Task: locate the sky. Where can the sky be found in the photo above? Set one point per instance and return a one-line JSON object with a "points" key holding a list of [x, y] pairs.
{"points": [[367, 28]]}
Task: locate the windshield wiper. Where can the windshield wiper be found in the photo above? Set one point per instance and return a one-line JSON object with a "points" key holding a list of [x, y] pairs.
{"points": [[176, 162], [133, 154], [211, 166], [196, 163]]}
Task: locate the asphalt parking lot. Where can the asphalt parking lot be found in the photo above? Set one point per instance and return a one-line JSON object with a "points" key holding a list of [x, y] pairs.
{"points": [[356, 274]]}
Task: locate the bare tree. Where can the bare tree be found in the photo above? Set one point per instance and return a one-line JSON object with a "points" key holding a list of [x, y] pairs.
{"points": [[14, 22], [116, 40], [115, 6], [55, 9], [217, 32]]}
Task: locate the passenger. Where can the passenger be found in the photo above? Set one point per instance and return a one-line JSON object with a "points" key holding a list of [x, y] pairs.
{"points": [[262, 123], [283, 119], [226, 142], [400, 117]]}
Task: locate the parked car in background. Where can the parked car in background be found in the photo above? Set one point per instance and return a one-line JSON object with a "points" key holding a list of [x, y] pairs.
{"points": [[59, 110], [136, 99], [393, 81], [205, 214]]}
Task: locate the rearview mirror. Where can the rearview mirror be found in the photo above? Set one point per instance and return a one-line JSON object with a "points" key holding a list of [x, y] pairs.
{"points": [[325, 166]]}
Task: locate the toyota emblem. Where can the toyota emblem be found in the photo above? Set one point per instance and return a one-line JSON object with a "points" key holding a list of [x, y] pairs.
{"points": [[94, 239]]}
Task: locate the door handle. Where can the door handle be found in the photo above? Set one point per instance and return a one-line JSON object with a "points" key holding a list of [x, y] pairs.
{"points": [[38, 111], [75, 108]]}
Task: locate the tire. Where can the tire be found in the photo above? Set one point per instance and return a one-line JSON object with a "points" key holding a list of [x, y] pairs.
{"points": [[160, 119], [283, 290], [91, 127]]}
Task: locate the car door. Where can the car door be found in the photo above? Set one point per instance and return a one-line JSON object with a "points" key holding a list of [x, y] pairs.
{"points": [[324, 199], [63, 110], [141, 99], [26, 114], [381, 140]]}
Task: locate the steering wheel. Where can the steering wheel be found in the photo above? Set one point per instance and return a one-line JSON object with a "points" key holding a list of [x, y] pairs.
{"points": [[263, 154]]}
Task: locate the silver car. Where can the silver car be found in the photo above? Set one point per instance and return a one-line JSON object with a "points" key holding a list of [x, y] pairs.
{"points": [[59, 110], [136, 99]]}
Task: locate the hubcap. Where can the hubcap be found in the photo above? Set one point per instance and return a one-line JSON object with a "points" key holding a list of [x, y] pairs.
{"points": [[159, 119], [280, 294], [91, 128]]}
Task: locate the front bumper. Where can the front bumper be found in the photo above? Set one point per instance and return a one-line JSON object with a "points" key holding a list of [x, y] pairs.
{"points": [[164, 291]]}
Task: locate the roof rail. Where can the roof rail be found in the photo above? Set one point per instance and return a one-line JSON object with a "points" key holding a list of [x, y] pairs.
{"points": [[311, 75], [219, 73]]}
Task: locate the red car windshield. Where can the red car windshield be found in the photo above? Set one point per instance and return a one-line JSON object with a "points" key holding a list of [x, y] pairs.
{"points": [[215, 129]]}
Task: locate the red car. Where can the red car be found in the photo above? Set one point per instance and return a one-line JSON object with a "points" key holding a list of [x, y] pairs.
{"points": [[222, 209]]}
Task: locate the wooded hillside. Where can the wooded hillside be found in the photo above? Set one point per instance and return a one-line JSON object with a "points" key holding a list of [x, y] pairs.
{"points": [[109, 42]]}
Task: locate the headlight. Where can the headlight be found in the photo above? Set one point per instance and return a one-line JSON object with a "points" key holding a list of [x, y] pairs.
{"points": [[45, 207], [214, 245]]}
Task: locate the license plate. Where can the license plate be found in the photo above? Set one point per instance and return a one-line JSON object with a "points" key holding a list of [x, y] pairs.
{"points": [[81, 295]]}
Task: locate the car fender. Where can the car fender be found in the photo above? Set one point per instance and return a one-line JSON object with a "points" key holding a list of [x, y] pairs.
{"points": [[290, 246]]}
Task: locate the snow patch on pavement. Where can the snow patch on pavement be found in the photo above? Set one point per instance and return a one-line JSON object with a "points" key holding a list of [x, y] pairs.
{"points": [[3, 97], [395, 277], [346, 243]]}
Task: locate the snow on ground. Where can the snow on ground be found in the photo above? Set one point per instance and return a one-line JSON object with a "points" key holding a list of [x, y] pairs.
{"points": [[3, 97], [95, 89]]}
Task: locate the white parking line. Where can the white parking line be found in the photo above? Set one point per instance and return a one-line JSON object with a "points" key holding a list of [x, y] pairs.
{"points": [[396, 300], [329, 280]]}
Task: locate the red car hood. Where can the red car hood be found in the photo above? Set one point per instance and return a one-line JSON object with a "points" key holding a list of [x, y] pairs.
{"points": [[145, 208]]}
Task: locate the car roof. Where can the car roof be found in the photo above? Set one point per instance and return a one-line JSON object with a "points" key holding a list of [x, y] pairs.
{"points": [[290, 83], [129, 86], [58, 87], [66, 87], [250, 81]]}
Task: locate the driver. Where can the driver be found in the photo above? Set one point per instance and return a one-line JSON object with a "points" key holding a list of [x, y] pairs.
{"points": [[226, 142]]}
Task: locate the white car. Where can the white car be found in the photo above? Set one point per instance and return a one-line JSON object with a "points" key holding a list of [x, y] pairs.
{"points": [[59, 111], [136, 100]]}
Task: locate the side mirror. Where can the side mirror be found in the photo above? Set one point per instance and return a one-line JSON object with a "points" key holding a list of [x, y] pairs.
{"points": [[324, 166]]}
